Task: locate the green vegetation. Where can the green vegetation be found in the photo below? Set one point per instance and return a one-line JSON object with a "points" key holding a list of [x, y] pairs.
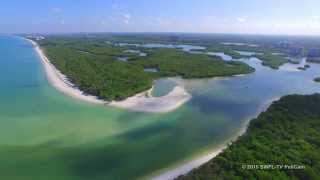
{"points": [[173, 62], [92, 65], [226, 50], [288, 133], [317, 79], [248, 48], [271, 60], [97, 71]]}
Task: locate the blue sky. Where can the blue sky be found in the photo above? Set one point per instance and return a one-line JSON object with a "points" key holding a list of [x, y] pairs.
{"points": [[206, 16]]}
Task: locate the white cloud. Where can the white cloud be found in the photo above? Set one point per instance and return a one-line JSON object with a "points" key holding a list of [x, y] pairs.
{"points": [[241, 19], [57, 10], [126, 18], [122, 18]]}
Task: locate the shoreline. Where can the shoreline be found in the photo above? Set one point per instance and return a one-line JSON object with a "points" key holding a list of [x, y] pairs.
{"points": [[186, 167], [60, 81], [144, 102], [141, 102]]}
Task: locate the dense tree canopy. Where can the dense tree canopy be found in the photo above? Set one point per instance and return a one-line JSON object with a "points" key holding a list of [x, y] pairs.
{"points": [[272, 60], [94, 66], [288, 133]]}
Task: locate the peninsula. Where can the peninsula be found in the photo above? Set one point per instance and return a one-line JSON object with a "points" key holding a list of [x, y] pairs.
{"points": [[90, 70], [141, 102]]}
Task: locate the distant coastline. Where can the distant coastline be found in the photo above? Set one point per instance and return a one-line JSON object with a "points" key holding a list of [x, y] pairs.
{"points": [[141, 102]]}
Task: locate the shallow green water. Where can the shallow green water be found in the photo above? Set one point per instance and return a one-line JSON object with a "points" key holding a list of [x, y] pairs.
{"points": [[47, 135], [164, 86]]}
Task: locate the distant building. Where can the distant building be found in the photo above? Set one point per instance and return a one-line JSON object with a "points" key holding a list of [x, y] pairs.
{"points": [[284, 45], [313, 55], [295, 51], [314, 52]]}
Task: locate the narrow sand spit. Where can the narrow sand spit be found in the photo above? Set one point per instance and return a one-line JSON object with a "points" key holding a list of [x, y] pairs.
{"points": [[142, 102]]}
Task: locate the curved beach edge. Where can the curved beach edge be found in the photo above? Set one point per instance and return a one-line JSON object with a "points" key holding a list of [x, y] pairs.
{"points": [[145, 103], [185, 168], [189, 166], [141, 102]]}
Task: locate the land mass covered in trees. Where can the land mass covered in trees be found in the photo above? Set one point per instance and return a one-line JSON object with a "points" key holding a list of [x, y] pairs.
{"points": [[94, 65], [282, 143], [100, 66], [272, 60]]}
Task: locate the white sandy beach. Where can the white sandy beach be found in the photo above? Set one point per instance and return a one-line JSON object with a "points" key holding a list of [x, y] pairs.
{"points": [[60, 81], [142, 102], [184, 169], [197, 162]]}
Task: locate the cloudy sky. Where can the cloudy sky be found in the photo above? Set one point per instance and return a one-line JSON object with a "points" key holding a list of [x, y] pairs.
{"points": [[206, 16]]}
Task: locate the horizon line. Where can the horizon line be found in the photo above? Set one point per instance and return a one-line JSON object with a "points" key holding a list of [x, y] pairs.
{"points": [[163, 32]]}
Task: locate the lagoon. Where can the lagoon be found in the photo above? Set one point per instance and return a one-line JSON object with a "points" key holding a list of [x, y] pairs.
{"points": [[184, 47]]}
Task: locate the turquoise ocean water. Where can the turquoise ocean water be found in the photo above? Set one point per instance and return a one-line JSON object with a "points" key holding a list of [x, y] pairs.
{"points": [[47, 135]]}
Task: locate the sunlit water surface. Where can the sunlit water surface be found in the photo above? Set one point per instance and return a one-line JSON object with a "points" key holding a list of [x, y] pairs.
{"points": [[47, 135]]}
